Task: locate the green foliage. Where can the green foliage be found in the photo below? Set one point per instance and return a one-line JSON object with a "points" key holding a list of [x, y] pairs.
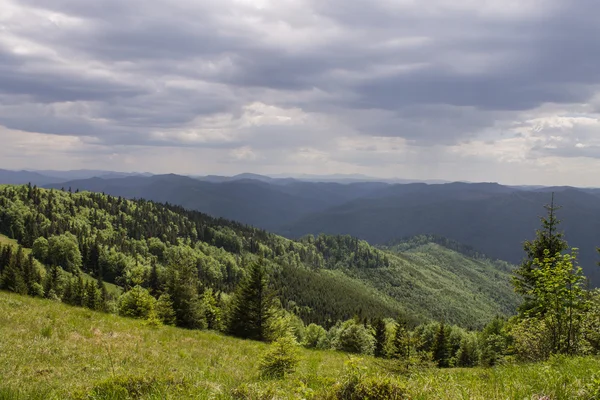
{"points": [[284, 323], [181, 283], [493, 342], [327, 278], [439, 349], [353, 337], [314, 336], [380, 335], [187, 364], [372, 388], [281, 359], [164, 310], [559, 298], [590, 329], [212, 311], [132, 387], [357, 386], [63, 251], [252, 308], [402, 343], [531, 340], [136, 303], [468, 352], [548, 239], [40, 249]]}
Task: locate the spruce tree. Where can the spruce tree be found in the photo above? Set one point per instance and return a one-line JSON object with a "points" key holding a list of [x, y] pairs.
{"points": [[12, 276], [251, 310], [90, 295], [547, 238], [102, 303], [401, 341], [380, 337], [440, 347], [52, 282]]}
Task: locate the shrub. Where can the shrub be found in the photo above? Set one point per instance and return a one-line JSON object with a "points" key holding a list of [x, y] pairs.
{"points": [[357, 386], [354, 338], [371, 388], [314, 335], [281, 358], [531, 340], [133, 387], [136, 303]]}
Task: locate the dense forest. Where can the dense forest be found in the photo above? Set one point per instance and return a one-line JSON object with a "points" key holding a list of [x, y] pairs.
{"points": [[185, 268], [322, 279], [493, 218]]}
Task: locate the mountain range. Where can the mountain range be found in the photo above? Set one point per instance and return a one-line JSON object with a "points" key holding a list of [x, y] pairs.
{"points": [[495, 219]]}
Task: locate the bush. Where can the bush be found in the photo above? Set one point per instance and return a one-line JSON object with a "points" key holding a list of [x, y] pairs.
{"points": [[354, 338], [136, 303], [357, 386], [531, 340], [281, 358], [314, 334], [371, 388], [133, 387]]}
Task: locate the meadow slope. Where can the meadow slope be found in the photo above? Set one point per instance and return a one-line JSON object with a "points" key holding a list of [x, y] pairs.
{"points": [[54, 351]]}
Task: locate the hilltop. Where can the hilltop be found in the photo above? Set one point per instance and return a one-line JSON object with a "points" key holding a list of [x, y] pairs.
{"points": [[322, 279]]}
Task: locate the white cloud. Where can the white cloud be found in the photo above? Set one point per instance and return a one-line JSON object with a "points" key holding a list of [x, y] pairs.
{"points": [[421, 89]]}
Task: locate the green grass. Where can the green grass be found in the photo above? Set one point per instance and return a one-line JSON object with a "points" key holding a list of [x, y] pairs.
{"points": [[53, 351], [7, 240], [112, 288]]}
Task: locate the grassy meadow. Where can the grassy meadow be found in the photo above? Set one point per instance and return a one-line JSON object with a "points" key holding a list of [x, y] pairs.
{"points": [[49, 350]]}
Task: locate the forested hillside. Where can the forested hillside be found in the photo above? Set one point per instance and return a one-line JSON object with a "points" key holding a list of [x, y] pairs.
{"points": [[322, 279], [492, 218]]}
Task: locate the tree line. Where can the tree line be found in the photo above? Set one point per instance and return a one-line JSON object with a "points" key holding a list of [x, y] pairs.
{"points": [[186, 269]]}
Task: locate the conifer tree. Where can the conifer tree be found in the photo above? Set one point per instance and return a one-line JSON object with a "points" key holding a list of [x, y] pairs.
{"points": [[52, 282], [440, 347], [402, 345], [90, 295], [102, 303], [380, 337], [251, 310], [12, 275], [547, 238]]}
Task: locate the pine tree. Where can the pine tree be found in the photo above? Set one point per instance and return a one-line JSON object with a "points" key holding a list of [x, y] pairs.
{"points": [[380, 337], [402, 345], [440, 347], [153, 280], [52, 282], [252, 306], [12, 275], [90, 295], [102, 303], [547, 238]]}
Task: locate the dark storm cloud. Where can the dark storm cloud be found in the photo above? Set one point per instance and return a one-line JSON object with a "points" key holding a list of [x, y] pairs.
{"points": [[431, 72]]}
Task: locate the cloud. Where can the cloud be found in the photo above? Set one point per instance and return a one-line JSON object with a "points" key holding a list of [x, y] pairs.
{"points": [[385, 86]]}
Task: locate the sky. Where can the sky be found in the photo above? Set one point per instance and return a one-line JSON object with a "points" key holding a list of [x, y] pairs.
{"points": [[478, 90]]}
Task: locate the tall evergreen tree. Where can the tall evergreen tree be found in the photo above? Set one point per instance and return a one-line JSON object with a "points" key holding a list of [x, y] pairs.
{"points": [[380, 337], [547, 238], [440, 347], [251, 310], [90, 295], [12, 275], [402, 345]]}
